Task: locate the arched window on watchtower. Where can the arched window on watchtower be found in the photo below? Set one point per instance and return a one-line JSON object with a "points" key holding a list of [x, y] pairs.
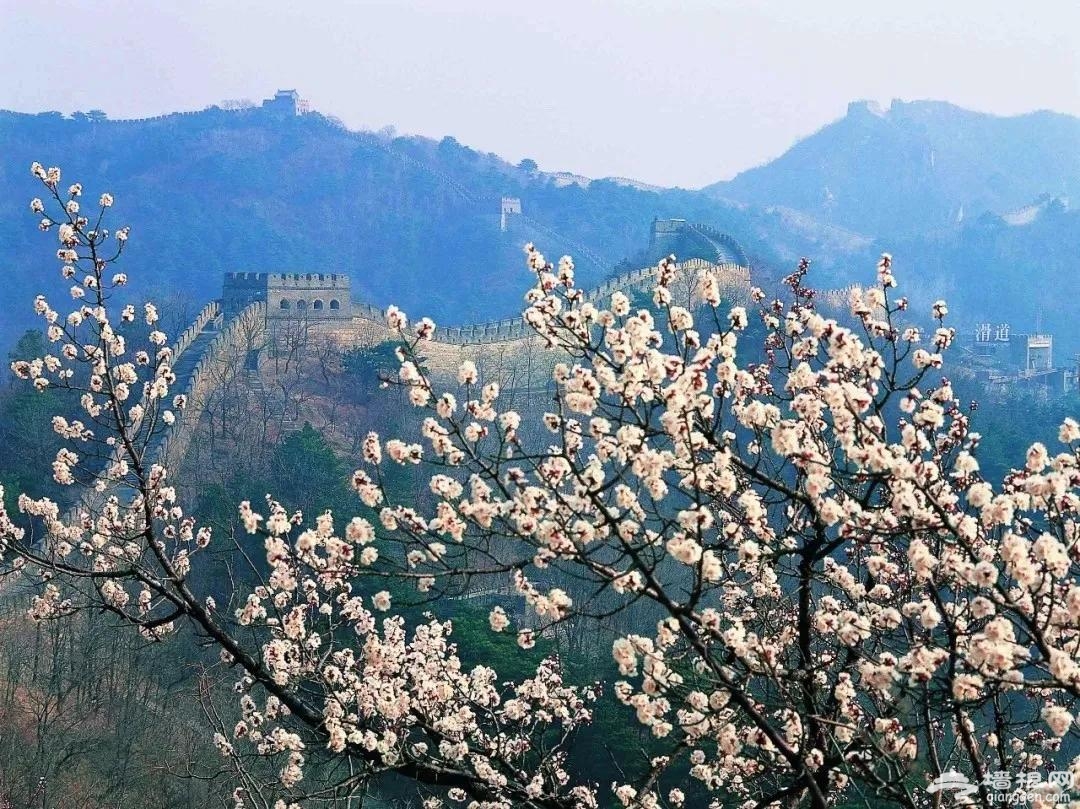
{"points": [[335, 303], [301, 304], [317, 303], [285, 304]]}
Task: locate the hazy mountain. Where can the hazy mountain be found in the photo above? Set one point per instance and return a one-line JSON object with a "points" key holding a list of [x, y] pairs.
{"points": [[414, 221], [994, 270], [917, 167]]}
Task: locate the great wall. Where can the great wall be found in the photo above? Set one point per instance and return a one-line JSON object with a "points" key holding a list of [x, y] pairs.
{"points": [[243, 328], [246, 325], [238, 333], [257, 312]]}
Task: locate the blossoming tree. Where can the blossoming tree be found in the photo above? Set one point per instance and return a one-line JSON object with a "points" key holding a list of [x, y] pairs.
{"points": [[830, 604]]}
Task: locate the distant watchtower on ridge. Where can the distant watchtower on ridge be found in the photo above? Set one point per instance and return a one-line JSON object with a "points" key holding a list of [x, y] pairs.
{"points": [[507, 208], [316, 296], [285, 104]]}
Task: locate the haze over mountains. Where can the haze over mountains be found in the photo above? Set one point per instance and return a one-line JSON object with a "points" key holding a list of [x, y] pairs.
{"points": [[973, 207], [918, 166]]}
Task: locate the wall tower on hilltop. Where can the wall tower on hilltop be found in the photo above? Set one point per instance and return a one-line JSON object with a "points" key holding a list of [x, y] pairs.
{"points": [[507, 208], [285, 104], [314, 296]]}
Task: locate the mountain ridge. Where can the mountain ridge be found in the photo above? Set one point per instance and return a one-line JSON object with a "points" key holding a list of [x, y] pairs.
{"points": [[416, 221], [919, 165]]}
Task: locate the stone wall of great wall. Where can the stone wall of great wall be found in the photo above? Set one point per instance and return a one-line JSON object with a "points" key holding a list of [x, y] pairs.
{"points": [[242, 331], [681, 237], [225, 341], [260, 312], [734, 279]]}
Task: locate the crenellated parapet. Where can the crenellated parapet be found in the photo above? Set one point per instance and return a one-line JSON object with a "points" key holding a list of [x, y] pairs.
{"points": [[839, 298], [322, 300], [682, 238], [734, 281], [316, 296], [237, 336], [208, 315], [310, 280]]}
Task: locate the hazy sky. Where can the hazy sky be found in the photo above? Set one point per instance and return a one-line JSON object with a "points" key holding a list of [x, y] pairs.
{"points": [[668, 92]]}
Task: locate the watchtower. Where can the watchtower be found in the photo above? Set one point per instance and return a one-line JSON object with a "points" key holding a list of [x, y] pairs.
{"points": [[284, 104], [241, 289], [1040, 353], [312, 296], [666, 235], [507, 208]]}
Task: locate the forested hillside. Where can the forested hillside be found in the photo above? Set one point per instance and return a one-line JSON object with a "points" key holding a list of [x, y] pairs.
{"points": [[413, 221]]}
